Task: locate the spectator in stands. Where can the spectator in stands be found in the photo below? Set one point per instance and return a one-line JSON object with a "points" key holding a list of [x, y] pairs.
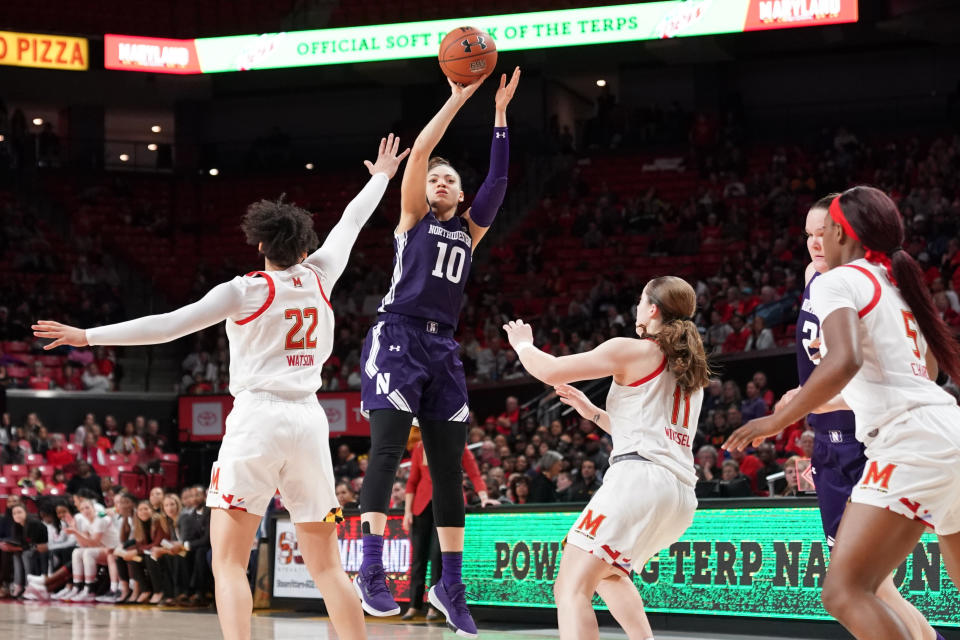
{"points": [[508, 420], [170, 555], [12, 453], [58, 482], [81, 431], [518, 491], [103, 442], [346, 496], [146, 529], [790, 474], [71, 377], [760, 337], [707, 459], [717, 333], [717, 431], [760, 381], [90, 452], [543, 487], [807, 439], [585, 485], [96, 539], [39, 440], [195, 533], [767, 454], [85, 478], [753, 405], [129, 442], [153, 431], [51, 567], [346, 465], [57, 455], [39, 380], [712, 399], [733, 483], [95, 381], [737, 340], [731, 394], [491, 360], [33, 479], [156, 499]]}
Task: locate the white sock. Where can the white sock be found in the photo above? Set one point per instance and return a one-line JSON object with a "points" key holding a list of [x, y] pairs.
{"points": [[114, 586], [132, 583]]}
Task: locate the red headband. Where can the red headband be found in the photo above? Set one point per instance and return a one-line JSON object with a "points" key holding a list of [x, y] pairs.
{"points": [[876, 257]]}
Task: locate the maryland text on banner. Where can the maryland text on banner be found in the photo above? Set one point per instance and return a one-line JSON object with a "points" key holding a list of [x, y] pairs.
{"points": [[44, 51], [535, 30], [750, 561]]}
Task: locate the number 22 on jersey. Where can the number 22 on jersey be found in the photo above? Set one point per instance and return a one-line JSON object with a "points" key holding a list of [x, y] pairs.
{"points": [[307, 341]]}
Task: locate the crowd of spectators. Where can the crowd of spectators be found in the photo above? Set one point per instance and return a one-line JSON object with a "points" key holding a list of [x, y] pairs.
{"points": [[70, 532]]}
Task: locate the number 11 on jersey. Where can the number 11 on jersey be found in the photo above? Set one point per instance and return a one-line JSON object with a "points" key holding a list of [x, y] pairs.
{"points": [[675, 415]]}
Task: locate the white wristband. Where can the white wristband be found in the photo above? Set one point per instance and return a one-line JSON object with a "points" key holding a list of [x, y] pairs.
{"points": [[523, 345]]}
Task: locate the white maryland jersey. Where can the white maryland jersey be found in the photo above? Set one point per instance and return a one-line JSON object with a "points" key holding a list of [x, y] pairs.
{"points": [[285, 335], [654, 418], [893, 378]]}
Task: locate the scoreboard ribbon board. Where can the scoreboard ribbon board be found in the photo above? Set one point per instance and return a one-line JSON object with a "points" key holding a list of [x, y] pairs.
{"points": [[733, 561]]}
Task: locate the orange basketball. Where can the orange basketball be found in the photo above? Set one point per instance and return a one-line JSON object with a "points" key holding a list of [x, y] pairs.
{"points": [[466, 54]]}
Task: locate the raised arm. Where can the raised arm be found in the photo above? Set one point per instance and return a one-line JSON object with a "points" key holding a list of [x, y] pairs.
{"points": [[223, 301], [626, 359], [490, 195], [331, 258], [413, 187]]}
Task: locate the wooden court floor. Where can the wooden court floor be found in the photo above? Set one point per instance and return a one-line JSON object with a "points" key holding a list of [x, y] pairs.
{"points": [[33, 621]]}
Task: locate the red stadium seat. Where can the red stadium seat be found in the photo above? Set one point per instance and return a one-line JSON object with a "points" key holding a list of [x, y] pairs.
{"points": [[46, 470], [28, 492], [171, 473], [16, 346], [135, 482], [53, 491], [72, 448], [18, 372], [101, 470], [115, 458], [15, 471], [157, 480], [170, 457], [7, 485], [51, 361], [35, 460]]}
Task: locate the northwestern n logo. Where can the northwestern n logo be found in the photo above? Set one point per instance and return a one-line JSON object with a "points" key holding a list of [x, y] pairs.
{"points": [[383, 383]]}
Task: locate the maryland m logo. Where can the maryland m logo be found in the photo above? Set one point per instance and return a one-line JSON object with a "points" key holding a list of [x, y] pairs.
{"points": [[589, 524], [297, 282], [877, 476]]}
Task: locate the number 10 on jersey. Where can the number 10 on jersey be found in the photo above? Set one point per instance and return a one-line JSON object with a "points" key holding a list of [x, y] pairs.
{"points": [[454, 264]]}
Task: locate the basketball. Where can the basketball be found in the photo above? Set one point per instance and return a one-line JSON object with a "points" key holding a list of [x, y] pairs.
{"points": [[466, 54]]}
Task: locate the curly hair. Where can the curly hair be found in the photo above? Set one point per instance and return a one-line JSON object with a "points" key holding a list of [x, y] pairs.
{"points": [[679, 338], [285, 230]]}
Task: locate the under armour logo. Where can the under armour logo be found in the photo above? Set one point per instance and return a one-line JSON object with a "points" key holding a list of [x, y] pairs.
{"points": [[501, 134], [467, 45], [394, 347]]}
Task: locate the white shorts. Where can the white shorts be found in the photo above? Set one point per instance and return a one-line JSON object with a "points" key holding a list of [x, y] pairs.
{"points": [[273, 444], [913, 468], [639, 509]]}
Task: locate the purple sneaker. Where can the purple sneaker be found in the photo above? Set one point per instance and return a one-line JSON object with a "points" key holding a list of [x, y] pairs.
{"points": [[374, 594], [452, 603]]}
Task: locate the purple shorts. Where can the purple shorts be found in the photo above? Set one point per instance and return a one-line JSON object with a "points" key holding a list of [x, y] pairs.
{"points": [[837, 467], [413, 365]]}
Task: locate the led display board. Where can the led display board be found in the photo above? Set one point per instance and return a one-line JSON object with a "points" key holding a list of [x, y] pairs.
{"points": [[513, 32]]}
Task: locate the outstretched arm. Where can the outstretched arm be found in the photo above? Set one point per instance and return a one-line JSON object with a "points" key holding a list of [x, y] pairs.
{"points": [[413, 188], [490, 196], [618, 357], [331, 258], [573, 397], [222, 302]]}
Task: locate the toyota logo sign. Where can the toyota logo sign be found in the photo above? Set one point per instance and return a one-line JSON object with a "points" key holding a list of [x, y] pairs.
{"points": [[206, 418]]}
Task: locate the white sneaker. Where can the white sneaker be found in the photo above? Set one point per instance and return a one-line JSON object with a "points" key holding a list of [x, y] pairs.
{"points": [[109, 597], [39, 593], [84, 596], [32, 579], [29, 593], [66, 593]]}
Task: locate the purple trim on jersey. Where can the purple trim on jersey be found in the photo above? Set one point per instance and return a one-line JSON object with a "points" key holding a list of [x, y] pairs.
{"points": [[826, 425], [431, 265]]}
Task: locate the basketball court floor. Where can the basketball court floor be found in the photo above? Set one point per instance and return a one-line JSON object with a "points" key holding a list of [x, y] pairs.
{"points": [[32, 621]]}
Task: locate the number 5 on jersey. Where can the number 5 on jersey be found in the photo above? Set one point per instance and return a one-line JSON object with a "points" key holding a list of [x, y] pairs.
{"points": [[306, 341]]}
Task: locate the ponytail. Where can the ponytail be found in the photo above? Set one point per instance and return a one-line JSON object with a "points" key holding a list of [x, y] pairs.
{"points": [[679, 338], [680, 342], [914, 290]]}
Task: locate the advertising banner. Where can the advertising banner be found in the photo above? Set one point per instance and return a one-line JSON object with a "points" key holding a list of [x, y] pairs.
{"points": [[204, 417], [44, 51], [512, 32], [160, 55], [761, 562], [292, 580]]}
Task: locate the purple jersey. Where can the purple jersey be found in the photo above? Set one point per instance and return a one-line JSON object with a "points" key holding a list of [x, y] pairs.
{"points": [[838, 426], [430, 269]]}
